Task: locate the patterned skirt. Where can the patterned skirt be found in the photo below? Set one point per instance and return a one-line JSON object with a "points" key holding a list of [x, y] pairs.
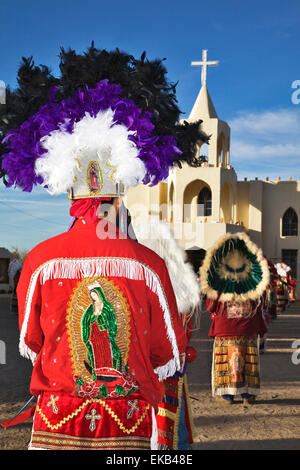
{"points": [[235, 367], [65, 422]]}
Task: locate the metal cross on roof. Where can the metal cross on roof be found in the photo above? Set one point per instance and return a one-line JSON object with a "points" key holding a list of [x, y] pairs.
{"points": [[204, 63]]}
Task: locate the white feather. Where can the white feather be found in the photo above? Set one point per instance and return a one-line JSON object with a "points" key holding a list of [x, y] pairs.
{"points": [[157, 236], [92, 135]]}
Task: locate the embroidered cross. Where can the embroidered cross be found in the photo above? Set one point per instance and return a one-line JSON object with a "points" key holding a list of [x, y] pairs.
{"points": [[133, 407], [93, 416], [53, 404]]}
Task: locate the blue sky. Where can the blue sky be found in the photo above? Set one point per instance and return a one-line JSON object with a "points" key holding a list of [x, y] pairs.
{"points": [[256, 42]]}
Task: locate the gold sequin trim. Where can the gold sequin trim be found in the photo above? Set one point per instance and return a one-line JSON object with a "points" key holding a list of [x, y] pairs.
{"points": [[52, 439], [177, 419], [166, 413]]}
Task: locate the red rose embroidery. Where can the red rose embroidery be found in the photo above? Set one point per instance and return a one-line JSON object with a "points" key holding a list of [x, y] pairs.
{"points": [[88, 390], [129, 381]]}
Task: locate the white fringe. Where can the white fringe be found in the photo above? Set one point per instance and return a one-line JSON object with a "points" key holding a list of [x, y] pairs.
{"points": [[36, 448], [25, 351], [72, 268], [167, 370], [158, 236], [154, 436]]}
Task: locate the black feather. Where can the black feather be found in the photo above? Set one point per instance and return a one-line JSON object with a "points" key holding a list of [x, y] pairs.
{"points": [[189, 136]]}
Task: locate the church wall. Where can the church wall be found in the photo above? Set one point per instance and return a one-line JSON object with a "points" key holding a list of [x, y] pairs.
{"points": [[226, 206], [278, 197], [255, 211], [223, 139], [250, 207], [138, 201], [211, 128], [170, 202], [201, 234], [243, 203], [163, 200], [228, 195], [146, 200]]}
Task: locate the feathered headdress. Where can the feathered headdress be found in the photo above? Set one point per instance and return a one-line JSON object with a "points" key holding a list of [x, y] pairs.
{"points": [[108, 122], [234, 269]]}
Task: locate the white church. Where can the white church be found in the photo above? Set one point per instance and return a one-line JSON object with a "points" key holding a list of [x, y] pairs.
{"points": [[202, 204]]}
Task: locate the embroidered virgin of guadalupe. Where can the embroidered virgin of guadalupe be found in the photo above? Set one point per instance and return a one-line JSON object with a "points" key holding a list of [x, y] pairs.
{"points": [[99, 331], [99, 337]]}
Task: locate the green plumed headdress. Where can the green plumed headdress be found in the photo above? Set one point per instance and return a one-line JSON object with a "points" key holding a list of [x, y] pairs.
{"points": [[234, 269]]}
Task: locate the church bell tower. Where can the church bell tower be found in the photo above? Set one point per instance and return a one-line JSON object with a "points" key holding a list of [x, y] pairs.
{"points": [[207, 194], [199, 203]]}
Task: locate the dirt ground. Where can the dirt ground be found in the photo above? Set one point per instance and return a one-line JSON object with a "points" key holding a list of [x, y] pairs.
{"points": [[271, 424]]}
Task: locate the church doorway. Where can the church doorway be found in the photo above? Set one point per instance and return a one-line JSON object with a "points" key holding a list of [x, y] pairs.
{"points": [[197, 200], [204, 202]]}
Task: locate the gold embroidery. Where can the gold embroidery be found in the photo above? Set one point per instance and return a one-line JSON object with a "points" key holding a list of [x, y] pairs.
{"points": [[112, 167], [52, 403], [189, 407], [177, 419], [64, 420], [80, 408], [88, 439], [121, 426], [51, 439], [166, 413], [78, 162]]}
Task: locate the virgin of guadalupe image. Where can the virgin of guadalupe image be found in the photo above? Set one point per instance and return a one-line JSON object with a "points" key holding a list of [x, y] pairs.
{"points": [[236, 365], [99, 332], [94, 182]]}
